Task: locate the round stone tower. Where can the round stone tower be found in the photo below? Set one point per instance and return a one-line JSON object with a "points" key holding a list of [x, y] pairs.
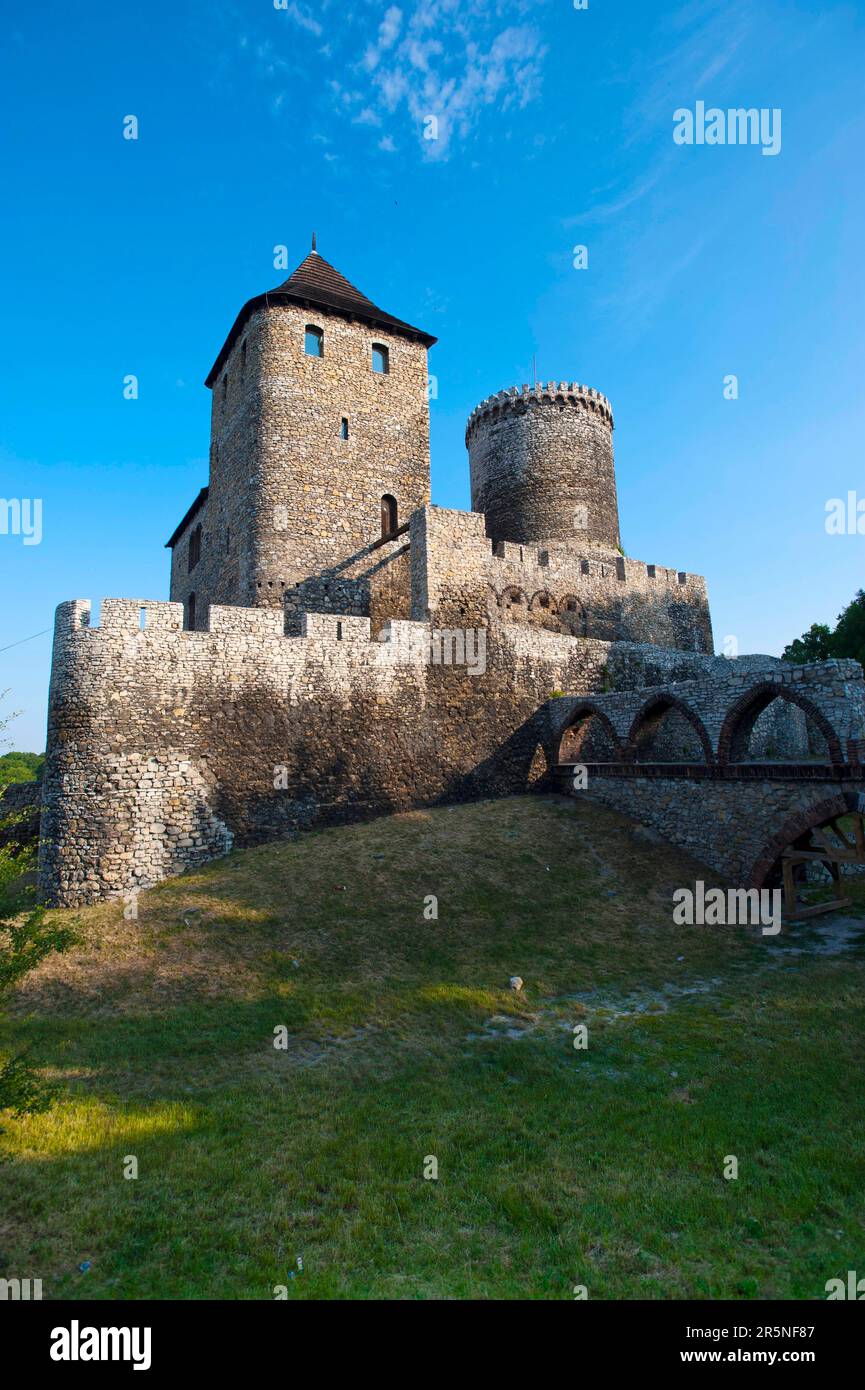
{"points": [[541, 461]]}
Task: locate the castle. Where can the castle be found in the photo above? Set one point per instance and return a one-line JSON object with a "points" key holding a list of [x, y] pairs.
{"points": [[320, 658]]}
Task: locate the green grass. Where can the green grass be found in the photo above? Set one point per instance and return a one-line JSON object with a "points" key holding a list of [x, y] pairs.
{"points": [[601, 1167]]}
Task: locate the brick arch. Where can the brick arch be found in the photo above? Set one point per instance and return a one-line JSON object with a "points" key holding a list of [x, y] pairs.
{"points": [[665, 702], [758, 698], [604, 720], [549, 607], [793, 827], [512, 591]]}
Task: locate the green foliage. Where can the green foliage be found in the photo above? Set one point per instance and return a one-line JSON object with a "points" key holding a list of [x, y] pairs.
{"points": [[26, 936], [849, 636], [813, 645], [25, 940], [20, 767], [820, 642], [22, 1092]]}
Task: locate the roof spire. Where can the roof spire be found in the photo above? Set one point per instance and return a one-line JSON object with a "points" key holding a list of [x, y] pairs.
{"points": [[313, 241]]}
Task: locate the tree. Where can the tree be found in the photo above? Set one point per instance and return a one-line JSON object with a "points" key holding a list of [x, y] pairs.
{"points": [[849, 636], [820, 642], [20, 767], [813, 645]]}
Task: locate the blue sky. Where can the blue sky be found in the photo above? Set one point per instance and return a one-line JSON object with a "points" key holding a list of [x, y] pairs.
{"points": [[258, 124]]}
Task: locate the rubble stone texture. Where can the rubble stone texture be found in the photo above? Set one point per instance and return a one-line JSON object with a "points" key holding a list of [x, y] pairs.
{"points": [[312, 666]]}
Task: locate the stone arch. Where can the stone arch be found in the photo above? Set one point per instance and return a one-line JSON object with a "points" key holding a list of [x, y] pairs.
{"points": [[742, 715], [389, 515], [585, 749], [795, 827], [650, 717]]}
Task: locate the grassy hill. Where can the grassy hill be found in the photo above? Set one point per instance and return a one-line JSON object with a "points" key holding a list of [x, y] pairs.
{"points": [[556, 1167]]}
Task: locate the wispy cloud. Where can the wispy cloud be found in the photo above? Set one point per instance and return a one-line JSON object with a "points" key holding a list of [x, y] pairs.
{"points": [[704, 40], [607, 210], [443, 65], [426, 69], [301, 17], [636, 304]]}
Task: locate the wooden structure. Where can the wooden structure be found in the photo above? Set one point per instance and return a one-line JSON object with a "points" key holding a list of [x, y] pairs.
{"points": [[816, 847]]}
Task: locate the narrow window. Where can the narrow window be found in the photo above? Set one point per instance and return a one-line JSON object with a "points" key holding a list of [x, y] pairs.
{"points": [[228, 540], [194, 547], [313, 342], [388, 515], [380, 358], [243, 360], [225, 388], [190, 613], [343, 428]]}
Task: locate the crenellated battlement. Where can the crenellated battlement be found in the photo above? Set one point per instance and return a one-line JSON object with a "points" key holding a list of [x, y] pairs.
{"points": [[335, 645], [149, 618], [564, 556], [515, 398]]}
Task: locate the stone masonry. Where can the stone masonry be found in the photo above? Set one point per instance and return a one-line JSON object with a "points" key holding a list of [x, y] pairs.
{"points": [[335, 646]]}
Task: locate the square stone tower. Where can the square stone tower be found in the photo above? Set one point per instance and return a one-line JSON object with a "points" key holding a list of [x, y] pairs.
{"points": [[319, 443]]}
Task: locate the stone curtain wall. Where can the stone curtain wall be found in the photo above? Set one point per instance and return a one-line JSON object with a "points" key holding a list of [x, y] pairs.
{"points": [[541, 462], [166, 747], [587, 593], [163, 745]]}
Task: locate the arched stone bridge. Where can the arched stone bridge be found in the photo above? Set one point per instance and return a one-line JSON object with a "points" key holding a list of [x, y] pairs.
{"points": [[736, 768]]}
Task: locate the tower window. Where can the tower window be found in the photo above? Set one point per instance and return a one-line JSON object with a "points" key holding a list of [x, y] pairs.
{"points": [[243, 360], [225, 388], [380, 358], [194, 547], [388, 515], [190, 613], [343, 428], [313, 342]]}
